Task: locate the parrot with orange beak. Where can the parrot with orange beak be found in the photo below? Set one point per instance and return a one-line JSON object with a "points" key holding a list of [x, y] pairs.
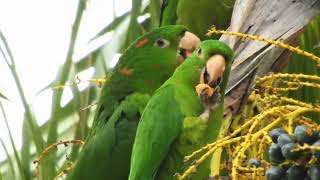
{"points": [[171, 127], [208, 88], [147, 63]]}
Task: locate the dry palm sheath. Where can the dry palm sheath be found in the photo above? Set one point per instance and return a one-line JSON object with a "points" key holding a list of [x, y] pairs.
{"points": [[145, 65], [171, 126]]}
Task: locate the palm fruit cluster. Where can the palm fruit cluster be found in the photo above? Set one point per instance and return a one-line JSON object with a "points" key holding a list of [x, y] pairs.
{"points": [[287, 161]]}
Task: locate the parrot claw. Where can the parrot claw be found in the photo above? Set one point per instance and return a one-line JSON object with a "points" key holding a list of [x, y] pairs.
{"points": [[205, 115], [209, 98]]}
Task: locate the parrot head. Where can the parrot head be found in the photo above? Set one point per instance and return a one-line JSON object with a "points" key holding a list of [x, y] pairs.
{"points": [[218, 57], [164, 41], [152, 58]]}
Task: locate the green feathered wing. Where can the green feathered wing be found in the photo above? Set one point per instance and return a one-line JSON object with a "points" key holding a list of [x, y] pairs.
{"points": [[142, 68], [163, 133], [173, 104]]}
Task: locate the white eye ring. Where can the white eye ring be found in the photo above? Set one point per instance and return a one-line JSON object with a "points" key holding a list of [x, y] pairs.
{"points": [[199, 53], [161, 43]]}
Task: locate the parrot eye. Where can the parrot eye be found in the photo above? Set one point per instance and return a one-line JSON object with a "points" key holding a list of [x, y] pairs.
{"points": [[199, 52], [162, 43]]}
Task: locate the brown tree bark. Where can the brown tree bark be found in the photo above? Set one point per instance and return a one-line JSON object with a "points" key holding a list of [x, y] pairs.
{"points": [[281, 20]]}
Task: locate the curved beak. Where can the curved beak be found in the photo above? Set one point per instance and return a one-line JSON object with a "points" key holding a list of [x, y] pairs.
{"points": [[188, 43], [213, 72], [211, 75]]}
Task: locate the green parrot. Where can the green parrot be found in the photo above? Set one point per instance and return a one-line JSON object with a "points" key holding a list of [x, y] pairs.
{"points": [[147, 63], [168, 12], [173, 120], [205, 13], [198, 16]]}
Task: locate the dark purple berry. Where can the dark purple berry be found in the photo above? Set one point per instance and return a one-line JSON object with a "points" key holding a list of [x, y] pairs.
{"points": [[288, 152], [254, 163], [275, 133], [275, 173], [303, 134], [275, 154], [315, 152], [314, 172], [296, 173], [284, 139]]}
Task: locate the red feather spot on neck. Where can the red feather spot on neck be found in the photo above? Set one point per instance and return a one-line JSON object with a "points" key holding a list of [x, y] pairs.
{"points": [[126, 71], [142, 42]]}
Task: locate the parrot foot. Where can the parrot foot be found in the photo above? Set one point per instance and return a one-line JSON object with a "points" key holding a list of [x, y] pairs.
{"points": [[205, 115], [209, 97]]}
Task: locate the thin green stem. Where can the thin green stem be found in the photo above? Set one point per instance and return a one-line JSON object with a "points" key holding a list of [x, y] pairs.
{"points": [[63, 77], [9, 160], [36, 133], [16, 154]]}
